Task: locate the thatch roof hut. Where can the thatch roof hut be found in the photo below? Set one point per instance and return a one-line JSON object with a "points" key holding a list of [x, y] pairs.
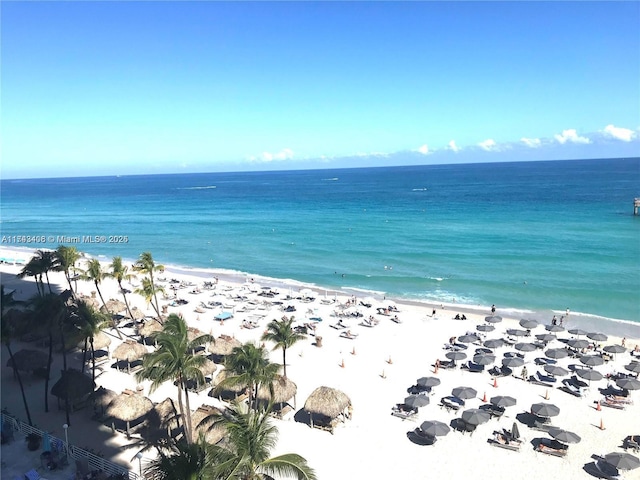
{"points": [[28, 360], [149, 327], [102, 397], [115, 306], [91, 301], [101, 341], [137, 313], [327, 405], [211, 435], [228, 391], [129, 407], [129, 351], [208, 368], [283, 390], [73, 385], [160, 421], [224, 345]]}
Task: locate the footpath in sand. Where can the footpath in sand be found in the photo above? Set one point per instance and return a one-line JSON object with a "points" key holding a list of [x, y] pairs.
{"points": [[375, 369]]}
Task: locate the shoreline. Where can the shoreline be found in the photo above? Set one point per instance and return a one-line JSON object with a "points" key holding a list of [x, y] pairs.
{"points": [[613, 326]]}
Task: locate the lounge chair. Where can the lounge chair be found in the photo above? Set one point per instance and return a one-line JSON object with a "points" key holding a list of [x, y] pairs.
{"points": [[607, 402], [404, 412], [423, 438], [541, 424], [570, 387], [606, 470], [472, 367], [633, 442], [338, 326], [552, 447], [32, 475], [505, 441], [451, 403], [349, 335]]}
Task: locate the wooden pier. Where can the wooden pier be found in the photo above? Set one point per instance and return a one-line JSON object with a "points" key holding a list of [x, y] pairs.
{"points": [[636, 206]]}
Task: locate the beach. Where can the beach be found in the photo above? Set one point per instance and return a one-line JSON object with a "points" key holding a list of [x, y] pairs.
{"points": [[374, 369]]}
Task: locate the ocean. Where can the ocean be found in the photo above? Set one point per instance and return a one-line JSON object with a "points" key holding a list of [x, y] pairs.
{"points": [[533, 237]]}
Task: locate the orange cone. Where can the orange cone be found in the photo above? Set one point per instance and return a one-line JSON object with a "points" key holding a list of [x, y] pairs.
{"points": [[495, 383], [598, 407], [484, 397], [389, 361], [342, 363], [353, 351], [383, 375], [601, 424]]}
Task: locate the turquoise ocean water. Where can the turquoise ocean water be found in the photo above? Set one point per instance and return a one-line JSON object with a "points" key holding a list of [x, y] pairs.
{"points": [[536, 235]]}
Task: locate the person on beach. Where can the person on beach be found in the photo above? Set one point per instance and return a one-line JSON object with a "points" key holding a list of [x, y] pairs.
{"points": [[433, 313], [624, 341], [554, 320], [561, 320], [525, 373], [493, 309], [566, 313]]}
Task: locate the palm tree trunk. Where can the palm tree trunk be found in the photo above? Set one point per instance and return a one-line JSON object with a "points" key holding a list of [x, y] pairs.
{"points": [[48, 283], [93, 361], [46, 380], [155, 295], [186, 427], [284, 362], [124, 295], [188, 408], [17, 374], [84, 354], [66, 274]]}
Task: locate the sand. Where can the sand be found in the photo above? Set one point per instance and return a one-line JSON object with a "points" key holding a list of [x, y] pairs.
{"points": [[374, 370]]}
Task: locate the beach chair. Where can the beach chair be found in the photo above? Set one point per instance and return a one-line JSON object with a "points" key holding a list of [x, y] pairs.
{"points": [[400, 410], [552, 447], [632, 442], [501, 440], [472, 367], [608, 471], [32, 475], [606, 402]]}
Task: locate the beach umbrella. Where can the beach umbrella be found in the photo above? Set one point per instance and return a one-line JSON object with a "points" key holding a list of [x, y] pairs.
{"points": [[416, 401], [554, 328], [623, 461], [129, 351], [546, 337], [516, 332], [484, 359], [493, 319], [556, 370], [598, 337], [137, 313], [208, 368], [545, 410], [578, 344], [129, 407], [589, 374], [283, 390], [149, 328], [115, 306], [563, 435], [483, 351], [234, 389], [72, 385], [327, 402], [455, 356], [577, 331], [212, 433], [633, 367], [528, 324], [464, 392], [475, 416], [27, 360], [468, 338], [512, 362], [525, 347], [493, 343], [557, 353], [515, 433], [434, 428], [503, 401], [485, 328], [628, 383], [224, 345], [102, 397], [428, 382], [614, 349], [592, 360]]}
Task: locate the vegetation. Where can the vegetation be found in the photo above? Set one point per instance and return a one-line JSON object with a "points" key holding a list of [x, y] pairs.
{"points": [[147, 266], [67, 257], [120, 273], [284, 336], [90, 322]]}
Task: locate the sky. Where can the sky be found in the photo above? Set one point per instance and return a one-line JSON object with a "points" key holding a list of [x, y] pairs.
{"points": [[104, 88]]}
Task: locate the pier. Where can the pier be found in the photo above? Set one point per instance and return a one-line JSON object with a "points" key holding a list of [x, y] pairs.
{"points": [[636, 206]]}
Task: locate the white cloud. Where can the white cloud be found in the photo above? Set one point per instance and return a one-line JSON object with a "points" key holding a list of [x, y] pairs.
{"points": [[424, 149], [488, 145], [453, 146], [620, 133], [284, 154], [531, 142], [571, 136]]}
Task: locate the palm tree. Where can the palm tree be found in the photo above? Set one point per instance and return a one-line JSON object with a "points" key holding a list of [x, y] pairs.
{"points": [[245, 454], [174, 360], [284, 336], [148, 290], [249, 366], [95, 274], [67, 257], [48, 262], [90, 323], [120, 273], [33, 268], [184, 461], [146, 265], [11, 329]]}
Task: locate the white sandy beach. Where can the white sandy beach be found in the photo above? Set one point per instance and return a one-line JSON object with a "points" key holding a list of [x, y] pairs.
{"points": [[374, 370]]}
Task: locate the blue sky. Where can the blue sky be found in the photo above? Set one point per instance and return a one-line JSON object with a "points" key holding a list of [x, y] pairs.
{"points": [[142, 87]]}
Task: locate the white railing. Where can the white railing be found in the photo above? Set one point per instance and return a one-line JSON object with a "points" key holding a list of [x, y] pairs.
{"points": [[95, 462]]}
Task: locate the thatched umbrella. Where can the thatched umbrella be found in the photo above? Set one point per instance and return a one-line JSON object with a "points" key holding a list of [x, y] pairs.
{"points": [[102, 397], [115, 306], [208, 368], [213, 435], [28, 360], [101, 341], [283, 390], [91, 301], [327, 404], [129, 406], [73, 385], [149, 327], [224, 345], [161, 420], [231, 391], [137, 313], [129, 351]]}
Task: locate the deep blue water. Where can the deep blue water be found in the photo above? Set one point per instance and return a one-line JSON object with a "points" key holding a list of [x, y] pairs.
{"points": [[534, 235]]}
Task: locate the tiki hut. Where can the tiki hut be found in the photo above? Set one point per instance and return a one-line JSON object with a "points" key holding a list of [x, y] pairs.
{"points": [[73, 386], [129, 407], [326, 407], [148, 328], [102, 397], [211, 435], [129, 351], [227, 392], [224, 345], [101, 341], [115, 306], [28, 360], [137, 313], [207, 369], [283, 390], [91, 301], [161, 421]]}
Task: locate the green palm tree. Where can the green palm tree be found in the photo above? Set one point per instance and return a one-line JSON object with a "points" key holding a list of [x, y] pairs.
{"points": [[90, 323], [67, 257], [249, 366], [174, 360], [48, 263], [147, 265], [245, 454], [284, 336], [33, 268], [11, 330], [120, 273], [94, 274], [148, 290], [184, 461]]}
